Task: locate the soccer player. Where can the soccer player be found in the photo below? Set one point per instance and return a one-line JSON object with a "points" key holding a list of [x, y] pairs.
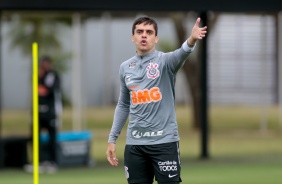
{"points": [[147, 96], [49, 108]]}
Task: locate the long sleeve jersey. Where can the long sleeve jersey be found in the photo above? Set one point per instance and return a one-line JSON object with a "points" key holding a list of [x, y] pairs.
{"points": [[147, 96]]}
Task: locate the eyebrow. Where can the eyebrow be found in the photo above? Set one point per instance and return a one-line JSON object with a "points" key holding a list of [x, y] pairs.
{"points": [[145, 30]]}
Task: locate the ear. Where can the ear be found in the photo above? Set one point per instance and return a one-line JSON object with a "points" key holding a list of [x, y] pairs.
{"points": [[156, 39], [132, 38]]}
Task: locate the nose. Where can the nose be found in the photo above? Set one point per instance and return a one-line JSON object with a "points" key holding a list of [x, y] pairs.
{"points": [[144, 34]]}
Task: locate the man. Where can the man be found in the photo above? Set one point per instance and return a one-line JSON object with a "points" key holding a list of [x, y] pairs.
{"points": [[147, 95], [49, 108]]}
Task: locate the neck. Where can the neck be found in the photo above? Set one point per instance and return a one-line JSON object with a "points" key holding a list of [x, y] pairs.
{"points": [[140, 52]]}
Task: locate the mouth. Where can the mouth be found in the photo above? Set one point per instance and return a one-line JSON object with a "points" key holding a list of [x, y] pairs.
{"points": [[143, 42]]}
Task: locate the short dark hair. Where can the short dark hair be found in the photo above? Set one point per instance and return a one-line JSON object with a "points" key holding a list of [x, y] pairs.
{"points": [[146, 20], [45, 58]]}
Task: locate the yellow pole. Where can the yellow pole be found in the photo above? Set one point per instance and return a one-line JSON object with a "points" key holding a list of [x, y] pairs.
{"points": [[35, 113]]}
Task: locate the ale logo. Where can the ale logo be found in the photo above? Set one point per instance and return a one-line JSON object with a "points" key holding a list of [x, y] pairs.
{"points": [[153, 71], [141, 133], [146, 96]]}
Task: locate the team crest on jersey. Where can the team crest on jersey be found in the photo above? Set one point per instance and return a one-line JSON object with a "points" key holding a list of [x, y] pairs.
{"points": [[153, 71]]}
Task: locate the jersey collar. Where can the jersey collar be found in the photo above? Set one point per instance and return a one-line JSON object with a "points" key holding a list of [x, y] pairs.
{"points": [[146, 57]]}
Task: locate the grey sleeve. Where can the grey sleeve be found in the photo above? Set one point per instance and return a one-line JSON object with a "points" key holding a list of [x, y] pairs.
{"points": [[121, 111], [177, 58]]}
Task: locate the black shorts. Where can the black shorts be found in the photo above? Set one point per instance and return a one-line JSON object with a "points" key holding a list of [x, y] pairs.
{"points": [[144, 162]]}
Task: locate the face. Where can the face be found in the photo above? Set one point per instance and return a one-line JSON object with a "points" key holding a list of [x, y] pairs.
{"points": [[144, 38], [45, 65]]}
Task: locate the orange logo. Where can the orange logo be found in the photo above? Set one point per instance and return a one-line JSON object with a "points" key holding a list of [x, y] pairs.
{"points": [[146, 96]]}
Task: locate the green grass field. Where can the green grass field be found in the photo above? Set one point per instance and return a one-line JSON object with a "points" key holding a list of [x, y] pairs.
{"points": [[240, 151], [259, 170]]}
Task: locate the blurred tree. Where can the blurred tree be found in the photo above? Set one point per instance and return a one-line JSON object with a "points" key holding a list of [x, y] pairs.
{"points": [[45, 29], [192, 67]]}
